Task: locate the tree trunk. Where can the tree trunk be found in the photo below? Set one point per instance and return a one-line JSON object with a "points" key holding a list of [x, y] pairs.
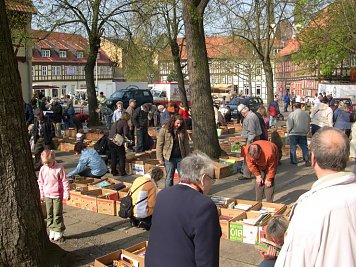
{"points": [[205, 136], [23, 237], [267, 67], [94, 44], [178, 68]]}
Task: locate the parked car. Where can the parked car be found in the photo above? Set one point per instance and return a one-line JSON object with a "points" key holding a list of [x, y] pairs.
{"points": [[252, 102], [141, 96]]}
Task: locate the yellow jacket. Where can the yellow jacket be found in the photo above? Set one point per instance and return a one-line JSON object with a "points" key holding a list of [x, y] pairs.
{"points": [[149, 190]]}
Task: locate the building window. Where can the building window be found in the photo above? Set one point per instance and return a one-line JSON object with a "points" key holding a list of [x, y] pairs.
{"points": [[46, 53], [33, 71], [258, 89], [62, 53], [80, 55], [70, 70], [258, 70], [56, 70], [353, 60], [246, 89], [80, 70], [44, 70], [64, 89]]}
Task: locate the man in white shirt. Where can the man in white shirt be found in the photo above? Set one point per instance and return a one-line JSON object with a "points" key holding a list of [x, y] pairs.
{"points": [[322, 230], [117, 113]]}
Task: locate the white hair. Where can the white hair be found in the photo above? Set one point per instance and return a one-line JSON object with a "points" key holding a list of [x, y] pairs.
{"points": [[194, 166]]}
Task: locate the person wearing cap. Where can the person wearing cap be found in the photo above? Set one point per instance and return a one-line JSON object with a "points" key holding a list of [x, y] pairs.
{"points": [[42, 133], [164, 115], [130, 109], [251, 130]]}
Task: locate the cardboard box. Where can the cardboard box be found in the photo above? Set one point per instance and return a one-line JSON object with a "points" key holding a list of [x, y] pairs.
{"points": [[111, 181], [88, 202], [70, 132], [222, 170], [66, 147], [138, 167], [108, 259], [273, 208], [224, 221], [93, 136], [235, 212], [104, 200], [231, 129], [137, 252], [75, 199], [224, 129], [243, 232], [225, 146], [149, 164], [234, 162]]}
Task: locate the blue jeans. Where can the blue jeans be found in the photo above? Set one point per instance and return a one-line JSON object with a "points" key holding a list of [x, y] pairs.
{"points": [[295, 140], [314, 128], [171, 165], [87, 173], [267, 263], [286, 107]]}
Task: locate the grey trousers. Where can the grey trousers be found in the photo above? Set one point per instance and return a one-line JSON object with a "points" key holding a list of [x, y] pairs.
{"points": [[263, 191]]}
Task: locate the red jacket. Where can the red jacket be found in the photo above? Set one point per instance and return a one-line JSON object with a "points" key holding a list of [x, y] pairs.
{"points": [[268, 160], [184, 113]]}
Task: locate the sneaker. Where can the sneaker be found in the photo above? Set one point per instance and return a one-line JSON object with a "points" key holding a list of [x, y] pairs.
{"points": [[51, 234], [57, 236]]}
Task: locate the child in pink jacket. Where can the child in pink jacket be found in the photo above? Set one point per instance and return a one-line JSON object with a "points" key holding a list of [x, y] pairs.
{"points": [[53, 186]]}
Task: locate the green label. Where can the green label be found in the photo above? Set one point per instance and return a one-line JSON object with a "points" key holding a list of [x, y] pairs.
{"points": [[236, 232]]}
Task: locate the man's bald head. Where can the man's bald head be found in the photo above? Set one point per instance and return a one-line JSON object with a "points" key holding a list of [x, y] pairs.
{"points": [[331, 149]]}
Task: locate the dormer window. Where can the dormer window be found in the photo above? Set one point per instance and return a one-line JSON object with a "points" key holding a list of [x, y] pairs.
{"points": [[46, 53], [80, 55], [62, 54]]}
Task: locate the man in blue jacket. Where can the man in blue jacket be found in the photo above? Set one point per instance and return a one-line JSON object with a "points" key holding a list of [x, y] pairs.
{"points": [[185, 227], [286, 101]]}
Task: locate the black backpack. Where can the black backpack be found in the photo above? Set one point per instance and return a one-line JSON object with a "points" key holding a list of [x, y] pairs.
{"points": [[101, 146], [126, 206]]}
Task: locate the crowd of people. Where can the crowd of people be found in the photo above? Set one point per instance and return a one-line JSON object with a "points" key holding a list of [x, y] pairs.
{"points": [[182, 220]]}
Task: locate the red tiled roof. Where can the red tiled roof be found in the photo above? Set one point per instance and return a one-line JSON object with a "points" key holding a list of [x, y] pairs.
{"points": [[291, 47], [62, 41], [24, 6], [220, 47]]}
